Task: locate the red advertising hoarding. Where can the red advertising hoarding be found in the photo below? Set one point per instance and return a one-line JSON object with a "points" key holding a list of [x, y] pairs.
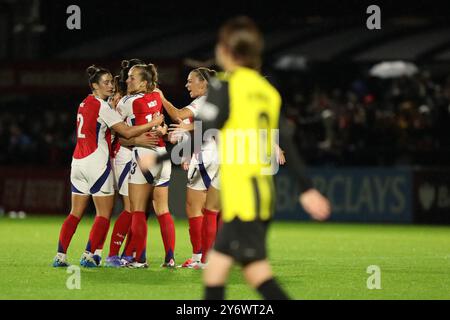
{"points": [[35, 190]]}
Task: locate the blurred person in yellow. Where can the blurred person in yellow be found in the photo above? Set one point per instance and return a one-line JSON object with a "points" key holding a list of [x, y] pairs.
{"points": [[246, 109]]}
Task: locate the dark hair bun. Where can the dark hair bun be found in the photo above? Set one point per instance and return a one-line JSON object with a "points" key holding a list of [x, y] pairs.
{"points": [[135, 61], [212, 73], [95, 73], [92, 70], [125, 64]]}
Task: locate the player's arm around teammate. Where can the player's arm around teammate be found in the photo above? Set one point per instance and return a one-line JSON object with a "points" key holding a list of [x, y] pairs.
{"points": [[147, 139], [142, 104], [121, 160], [91, 166], [202, 214]]}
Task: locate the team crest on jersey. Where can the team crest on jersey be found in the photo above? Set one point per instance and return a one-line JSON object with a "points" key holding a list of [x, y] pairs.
{"points": [[82, 105], [152, 104]]}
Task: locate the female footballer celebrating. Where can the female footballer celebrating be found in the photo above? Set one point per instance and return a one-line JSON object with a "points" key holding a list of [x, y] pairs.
{"points": [[121, 160], [91, 167], [202, 168], [141, 106]]}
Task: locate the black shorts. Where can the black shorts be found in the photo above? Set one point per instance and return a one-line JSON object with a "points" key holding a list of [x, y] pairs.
{"points": [[245, 242]]}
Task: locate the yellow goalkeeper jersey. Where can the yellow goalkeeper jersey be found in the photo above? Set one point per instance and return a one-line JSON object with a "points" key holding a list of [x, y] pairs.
{"points": [[249, 111]]}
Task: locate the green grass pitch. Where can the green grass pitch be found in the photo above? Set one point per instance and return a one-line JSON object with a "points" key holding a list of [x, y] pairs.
{"points": [[311, 261]]}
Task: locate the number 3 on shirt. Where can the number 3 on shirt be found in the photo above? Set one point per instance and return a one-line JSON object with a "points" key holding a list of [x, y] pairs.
{"points": [[80, 126], [150, 116]]}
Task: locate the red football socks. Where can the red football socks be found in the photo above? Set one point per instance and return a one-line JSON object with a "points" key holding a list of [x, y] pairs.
{"points": [[139, 236], [67, 230], [168, 234], [119, 232], [98, 234], [195, 233], [209, 230], [127, 243]]}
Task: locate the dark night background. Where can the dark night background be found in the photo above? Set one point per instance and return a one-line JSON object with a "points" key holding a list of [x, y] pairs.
{"points": [[318, 54]]}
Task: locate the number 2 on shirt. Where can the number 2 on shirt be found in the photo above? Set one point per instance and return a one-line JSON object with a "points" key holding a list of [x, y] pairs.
{"points": [[80, 126]]}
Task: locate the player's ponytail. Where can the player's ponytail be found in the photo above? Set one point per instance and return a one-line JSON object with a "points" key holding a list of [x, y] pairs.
{"points": [[149, 73], [204, 74], [116, 85], [95, 73], [154, 74]]}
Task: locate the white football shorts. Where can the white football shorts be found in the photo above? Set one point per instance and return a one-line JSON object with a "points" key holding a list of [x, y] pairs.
{"points": [[202, 169], [92, 180], [122, 168], [158, 175], [215, 182]]}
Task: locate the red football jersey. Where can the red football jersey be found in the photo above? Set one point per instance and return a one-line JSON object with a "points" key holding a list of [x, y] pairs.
{"points": [[140, 109], [94, 118]]}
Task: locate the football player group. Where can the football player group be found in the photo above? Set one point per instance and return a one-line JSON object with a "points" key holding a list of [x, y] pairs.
{"points": [[120, 122], [120, 126]]}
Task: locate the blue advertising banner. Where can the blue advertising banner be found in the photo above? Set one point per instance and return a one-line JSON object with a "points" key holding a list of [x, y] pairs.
{"points": [[356, 194]]}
